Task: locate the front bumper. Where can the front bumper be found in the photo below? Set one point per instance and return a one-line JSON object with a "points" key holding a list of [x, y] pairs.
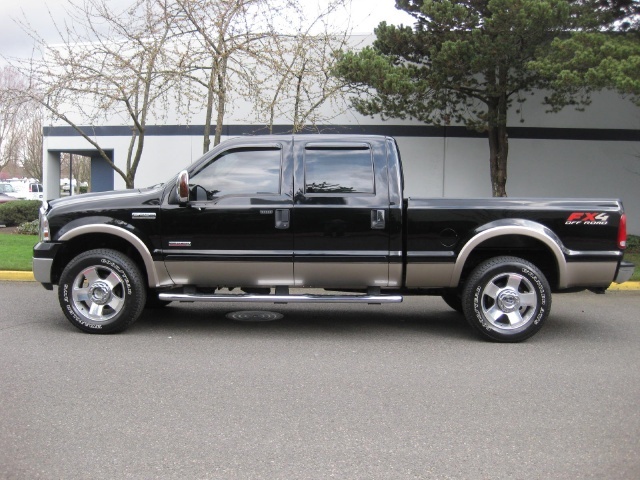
{"points": [[625, 270], [43, 256]]}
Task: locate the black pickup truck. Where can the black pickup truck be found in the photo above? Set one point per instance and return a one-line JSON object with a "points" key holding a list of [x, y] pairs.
{"points": [[262, 215]]}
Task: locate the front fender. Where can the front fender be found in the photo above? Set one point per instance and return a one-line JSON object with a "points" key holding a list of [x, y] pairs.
{"points": [[157, 276]]}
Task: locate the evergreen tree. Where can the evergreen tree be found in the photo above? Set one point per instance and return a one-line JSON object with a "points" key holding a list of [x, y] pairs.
{"points": [[464, 61]]}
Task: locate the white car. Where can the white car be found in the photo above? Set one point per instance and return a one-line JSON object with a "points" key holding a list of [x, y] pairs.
{"points": [[8, 189], [23, 190]]}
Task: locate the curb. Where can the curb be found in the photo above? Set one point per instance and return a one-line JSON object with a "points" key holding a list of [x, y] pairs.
{"points": [[17, 276], [625, 286], [28, 277]]}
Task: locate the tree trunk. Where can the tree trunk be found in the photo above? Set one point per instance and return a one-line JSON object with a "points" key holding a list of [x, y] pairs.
{"points": [[498, 146], [222, 99], [209, 109]]}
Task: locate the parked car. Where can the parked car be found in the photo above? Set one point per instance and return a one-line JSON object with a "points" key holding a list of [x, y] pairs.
{"points": [[4, 198], [23, 190], [7, 189]]}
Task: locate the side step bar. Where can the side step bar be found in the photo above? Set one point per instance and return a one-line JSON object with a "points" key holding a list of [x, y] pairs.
{"points": [[250, 298]]}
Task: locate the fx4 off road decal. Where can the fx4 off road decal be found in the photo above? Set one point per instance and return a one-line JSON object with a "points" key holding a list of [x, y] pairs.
{"points": [[586, 218]]}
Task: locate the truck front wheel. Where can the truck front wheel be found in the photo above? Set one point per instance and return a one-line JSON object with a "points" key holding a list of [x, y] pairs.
{"points": [[506, 299], [102, 291]]}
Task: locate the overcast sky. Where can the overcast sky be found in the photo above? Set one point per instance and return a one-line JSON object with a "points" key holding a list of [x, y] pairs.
{"points": [[366, 15]]}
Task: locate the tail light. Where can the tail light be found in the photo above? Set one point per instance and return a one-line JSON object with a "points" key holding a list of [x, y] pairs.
{"points": [[622, 232]]}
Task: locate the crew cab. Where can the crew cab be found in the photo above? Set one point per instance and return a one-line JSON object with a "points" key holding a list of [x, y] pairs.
{"points": [[259, 216]]}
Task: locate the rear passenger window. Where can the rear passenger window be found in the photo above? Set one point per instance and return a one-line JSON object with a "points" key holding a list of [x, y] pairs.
{"points": [[338, 169]]}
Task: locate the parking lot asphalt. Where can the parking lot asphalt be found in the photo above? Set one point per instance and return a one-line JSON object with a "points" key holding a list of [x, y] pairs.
{"points": [[339, 391]]}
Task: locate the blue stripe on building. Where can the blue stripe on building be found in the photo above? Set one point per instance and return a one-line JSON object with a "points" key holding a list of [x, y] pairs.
{"points": [[533, 133]]}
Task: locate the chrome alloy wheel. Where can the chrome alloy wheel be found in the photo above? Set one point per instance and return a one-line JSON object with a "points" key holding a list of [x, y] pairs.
{"points": [[508, 301], [98, 293]]}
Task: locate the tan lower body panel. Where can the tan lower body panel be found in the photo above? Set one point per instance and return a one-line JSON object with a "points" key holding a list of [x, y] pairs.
{"points": [[423, 275], [231, 274]]}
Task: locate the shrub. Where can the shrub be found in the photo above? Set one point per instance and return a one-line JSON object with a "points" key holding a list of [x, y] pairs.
{"points": [[29, 228], [18, 212], [633, 244]]}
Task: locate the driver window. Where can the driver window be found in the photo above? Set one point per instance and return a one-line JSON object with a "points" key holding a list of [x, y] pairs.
{"points": [[240, 171]]}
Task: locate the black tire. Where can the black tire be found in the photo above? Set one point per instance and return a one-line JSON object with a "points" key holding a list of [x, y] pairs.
{"points": [[153, 302], [453, 299], [506, 299], [102, 291]]}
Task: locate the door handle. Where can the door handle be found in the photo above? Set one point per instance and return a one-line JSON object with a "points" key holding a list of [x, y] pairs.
{"points": [[377, 220], [282, 218]]}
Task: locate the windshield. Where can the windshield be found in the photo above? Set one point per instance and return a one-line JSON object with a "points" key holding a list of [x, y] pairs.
{"points": [[6, 188]]}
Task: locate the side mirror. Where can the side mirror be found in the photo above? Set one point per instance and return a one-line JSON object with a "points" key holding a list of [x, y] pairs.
{"points": [[182, 187]]}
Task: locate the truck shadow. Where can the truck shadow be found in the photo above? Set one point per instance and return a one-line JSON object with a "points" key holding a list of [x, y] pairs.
{"points": [[299, 320], [431, 319]]}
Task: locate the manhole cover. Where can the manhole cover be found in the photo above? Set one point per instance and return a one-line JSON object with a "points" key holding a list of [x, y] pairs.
{"points": [[256, 316]]}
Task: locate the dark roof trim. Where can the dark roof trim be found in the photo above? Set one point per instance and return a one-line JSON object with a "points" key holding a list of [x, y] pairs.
{"points": [[533, 133]]}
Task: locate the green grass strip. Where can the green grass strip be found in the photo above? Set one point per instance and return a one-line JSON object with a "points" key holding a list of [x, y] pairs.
{"points": [[16, 251], [635, 259]]}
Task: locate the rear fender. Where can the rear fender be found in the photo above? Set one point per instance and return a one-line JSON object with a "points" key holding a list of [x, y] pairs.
{"points": [[526, 228]]}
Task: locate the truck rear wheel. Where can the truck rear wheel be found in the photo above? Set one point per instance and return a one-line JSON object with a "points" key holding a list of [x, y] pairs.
{"points": [[506, 299], [102, 291]]}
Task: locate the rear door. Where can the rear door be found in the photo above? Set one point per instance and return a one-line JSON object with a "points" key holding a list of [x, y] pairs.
{"points": [[340, 214]]}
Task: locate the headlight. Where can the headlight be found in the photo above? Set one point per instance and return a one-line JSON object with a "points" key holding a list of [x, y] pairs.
{"points": [[44, 223]]}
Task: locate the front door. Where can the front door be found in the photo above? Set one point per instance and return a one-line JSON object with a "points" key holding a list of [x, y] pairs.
{"points": [[340, 214], [235, 231]]}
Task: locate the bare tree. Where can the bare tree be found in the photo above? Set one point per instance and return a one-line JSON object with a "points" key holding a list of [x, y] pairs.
{"points": [[298, 82], [11, 111], [30, 156], [111, 65], [218, 43], [270, 51]]}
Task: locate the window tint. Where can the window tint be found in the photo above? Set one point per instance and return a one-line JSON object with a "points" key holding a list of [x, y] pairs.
{"points": [[241, 171], [338, 170]]}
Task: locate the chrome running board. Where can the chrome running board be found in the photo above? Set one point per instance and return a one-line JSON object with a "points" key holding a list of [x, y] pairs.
{"points": [[249, 298]]}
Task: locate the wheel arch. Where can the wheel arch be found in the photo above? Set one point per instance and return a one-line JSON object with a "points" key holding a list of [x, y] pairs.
{"points": [[89, 237], [521, 238]]}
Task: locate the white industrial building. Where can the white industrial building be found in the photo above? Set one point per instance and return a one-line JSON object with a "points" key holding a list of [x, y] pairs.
{"points": [[594, 153]]}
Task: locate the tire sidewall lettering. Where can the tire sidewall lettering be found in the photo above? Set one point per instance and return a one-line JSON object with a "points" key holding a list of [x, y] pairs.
{"points": [[541, 291], [71, 311], [122, 273], [478, 310]]}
